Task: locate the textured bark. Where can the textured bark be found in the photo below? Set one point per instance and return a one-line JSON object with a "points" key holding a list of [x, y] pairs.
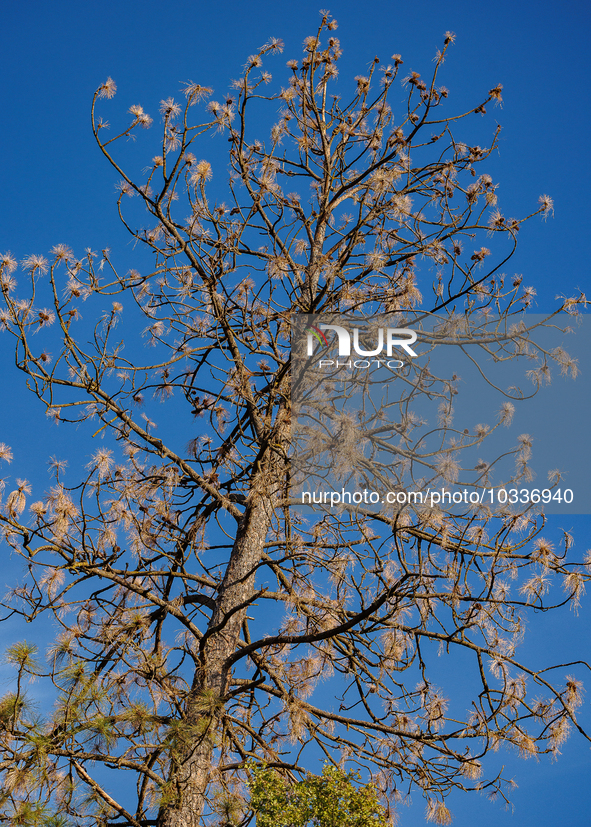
{"points": [[192, 772]]}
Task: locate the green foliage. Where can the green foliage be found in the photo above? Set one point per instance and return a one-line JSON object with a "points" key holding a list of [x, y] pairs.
{"points": [[333, 799], [23, 655], [139, 717], [10, 708], [36, 815]]}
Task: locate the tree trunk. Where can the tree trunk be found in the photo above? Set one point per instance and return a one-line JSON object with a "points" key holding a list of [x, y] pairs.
{"points": [[191, 772]]}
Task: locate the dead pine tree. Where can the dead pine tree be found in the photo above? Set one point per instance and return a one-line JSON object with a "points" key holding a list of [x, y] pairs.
{"points": [[202, 624]]}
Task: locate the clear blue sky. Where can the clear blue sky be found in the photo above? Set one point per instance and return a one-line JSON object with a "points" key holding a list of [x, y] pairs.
{"points": [[56, 187]]}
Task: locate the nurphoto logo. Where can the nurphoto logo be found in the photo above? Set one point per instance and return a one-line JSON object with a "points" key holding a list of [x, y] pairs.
{"points": [[388, 339]]}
